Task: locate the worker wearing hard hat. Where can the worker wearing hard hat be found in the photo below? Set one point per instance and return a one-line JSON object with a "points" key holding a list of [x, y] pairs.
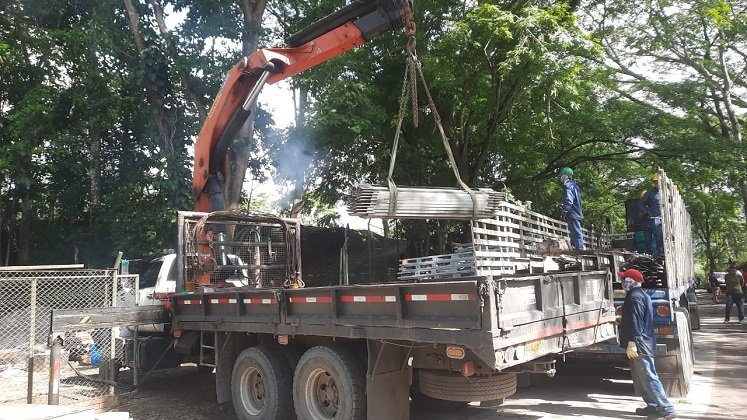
{"points": [[650, 213], [572, 208]]}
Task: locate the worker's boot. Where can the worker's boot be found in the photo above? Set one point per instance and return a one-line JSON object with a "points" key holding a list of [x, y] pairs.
{"points": [[645, 411], [662, 416]]}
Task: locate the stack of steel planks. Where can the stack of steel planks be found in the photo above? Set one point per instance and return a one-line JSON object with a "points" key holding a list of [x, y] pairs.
{"points": [[370, 201], [447, 266]]}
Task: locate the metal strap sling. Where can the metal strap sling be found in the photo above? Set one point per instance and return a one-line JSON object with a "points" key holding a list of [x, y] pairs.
{"points": [[413, 71]]}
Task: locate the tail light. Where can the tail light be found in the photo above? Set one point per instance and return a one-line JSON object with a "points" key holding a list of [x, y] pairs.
{"points": [[619, 311], [662, 310], [454, 352]]}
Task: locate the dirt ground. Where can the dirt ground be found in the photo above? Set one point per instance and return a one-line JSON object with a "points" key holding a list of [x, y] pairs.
{"points": [[181, 393], [601, 392]]}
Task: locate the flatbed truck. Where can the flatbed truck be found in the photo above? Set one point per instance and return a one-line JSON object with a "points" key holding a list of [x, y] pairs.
{"points": [[281, 350], [458, 340]]}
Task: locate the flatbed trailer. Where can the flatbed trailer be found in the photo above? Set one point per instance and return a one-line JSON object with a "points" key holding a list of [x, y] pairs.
{"points": [[473, 313], [474, 330], [458, 340]]}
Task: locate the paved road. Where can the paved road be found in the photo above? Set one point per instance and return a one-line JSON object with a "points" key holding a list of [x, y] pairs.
{"points": [[606, 392], [579, 392]]}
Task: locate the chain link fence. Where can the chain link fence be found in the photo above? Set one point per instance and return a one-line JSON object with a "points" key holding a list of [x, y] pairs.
{"points": [[89, 365]]}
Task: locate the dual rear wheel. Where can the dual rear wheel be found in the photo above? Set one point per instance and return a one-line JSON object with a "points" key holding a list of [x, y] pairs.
{"points": [[327, 383]]}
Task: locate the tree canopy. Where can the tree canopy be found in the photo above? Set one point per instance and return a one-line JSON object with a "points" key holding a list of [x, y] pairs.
{"points": [[100, 104]]}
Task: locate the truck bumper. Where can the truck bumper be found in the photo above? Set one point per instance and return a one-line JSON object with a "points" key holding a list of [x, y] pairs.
{"points": [[611, 347]]}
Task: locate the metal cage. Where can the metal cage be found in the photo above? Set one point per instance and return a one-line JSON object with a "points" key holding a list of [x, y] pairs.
{"points": [[233, 249]]}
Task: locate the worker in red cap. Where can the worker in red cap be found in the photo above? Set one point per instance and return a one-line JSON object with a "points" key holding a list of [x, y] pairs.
{"points": [[639, 341]]}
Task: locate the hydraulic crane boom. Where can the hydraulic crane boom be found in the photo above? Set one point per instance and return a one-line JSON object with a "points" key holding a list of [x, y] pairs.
{"points": [[327, 38]]}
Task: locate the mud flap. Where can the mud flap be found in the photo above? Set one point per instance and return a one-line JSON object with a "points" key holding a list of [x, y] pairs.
{"points": [[224, 358], [186, 343], [388, 380]]}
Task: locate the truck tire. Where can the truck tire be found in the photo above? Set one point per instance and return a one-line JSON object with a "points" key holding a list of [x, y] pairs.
{"points": [[329, 383], [261, 385], [424, 402], [455, 387], [694, 316], [675, 368], [690, 301]]}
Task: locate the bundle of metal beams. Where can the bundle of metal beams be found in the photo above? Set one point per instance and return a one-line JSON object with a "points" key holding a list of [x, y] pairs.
{"points": [[371, 201]]}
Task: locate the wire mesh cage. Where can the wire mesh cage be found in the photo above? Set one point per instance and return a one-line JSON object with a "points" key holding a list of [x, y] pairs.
{"points": [[27, 298], [241, 250]]}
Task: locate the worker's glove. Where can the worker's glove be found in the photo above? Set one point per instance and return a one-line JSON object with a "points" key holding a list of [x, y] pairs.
{"points": [[632, 350]]}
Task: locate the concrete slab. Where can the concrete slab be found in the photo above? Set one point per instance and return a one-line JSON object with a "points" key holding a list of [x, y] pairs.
{"points": [[114, 415], [44, 412]]}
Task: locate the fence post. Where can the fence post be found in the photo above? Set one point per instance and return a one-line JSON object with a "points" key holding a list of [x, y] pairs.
{"points": [[136, 359], [55, 364], [112, 334], [32, 341]]}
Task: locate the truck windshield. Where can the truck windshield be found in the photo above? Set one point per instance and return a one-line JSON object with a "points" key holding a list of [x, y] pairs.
{"points": [[150, 275]]}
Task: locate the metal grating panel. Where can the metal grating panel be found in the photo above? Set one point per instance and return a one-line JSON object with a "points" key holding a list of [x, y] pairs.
{"points": [[500, 245]]}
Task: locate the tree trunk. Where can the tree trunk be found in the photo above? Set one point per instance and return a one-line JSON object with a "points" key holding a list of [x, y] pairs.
{"points": [[241, 150], [298, 190], [184, 77], [24, 230], [11, 231], [158, 117], [731, 112], [302, 107], [94, 175]]}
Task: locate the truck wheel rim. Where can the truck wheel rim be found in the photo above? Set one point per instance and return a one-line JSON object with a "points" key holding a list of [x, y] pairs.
{"points": [[252, 391], [322, 395]]}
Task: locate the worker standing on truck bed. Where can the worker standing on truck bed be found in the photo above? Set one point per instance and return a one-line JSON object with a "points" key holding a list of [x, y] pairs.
{"points": [[572, 208], [638, 338], [650, 212]]}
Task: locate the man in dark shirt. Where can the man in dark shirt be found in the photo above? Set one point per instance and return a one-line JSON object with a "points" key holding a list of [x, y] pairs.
{"points": [[572, 212], [638, 339], [649, 207], [734, 294]]}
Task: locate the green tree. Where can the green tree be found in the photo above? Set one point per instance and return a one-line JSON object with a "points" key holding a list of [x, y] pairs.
{"points": [[684, 62]]}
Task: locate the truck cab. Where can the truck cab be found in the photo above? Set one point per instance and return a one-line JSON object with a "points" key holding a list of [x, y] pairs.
{"points": [[158, 278]]}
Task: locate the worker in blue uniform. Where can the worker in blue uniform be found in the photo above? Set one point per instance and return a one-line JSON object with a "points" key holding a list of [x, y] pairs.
{"points": [[649, 208], [638, 338], [571, 208]]}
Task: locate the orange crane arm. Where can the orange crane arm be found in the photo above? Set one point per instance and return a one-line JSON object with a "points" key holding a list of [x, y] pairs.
{"points": [[329, 37]]}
